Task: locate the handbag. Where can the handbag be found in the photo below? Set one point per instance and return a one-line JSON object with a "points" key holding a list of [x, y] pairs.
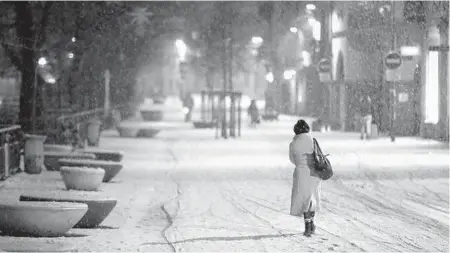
{"points": [[322, 166]]}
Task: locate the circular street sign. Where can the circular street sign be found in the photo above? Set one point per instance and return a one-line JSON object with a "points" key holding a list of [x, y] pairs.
{"points": [[324, 65], [393, 60]]}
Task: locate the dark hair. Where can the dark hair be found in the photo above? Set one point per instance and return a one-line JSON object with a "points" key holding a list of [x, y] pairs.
{"points": [[301, 127]]}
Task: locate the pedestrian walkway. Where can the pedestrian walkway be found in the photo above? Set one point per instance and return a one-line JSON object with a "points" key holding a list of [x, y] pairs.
{"points": [[186, 191]]}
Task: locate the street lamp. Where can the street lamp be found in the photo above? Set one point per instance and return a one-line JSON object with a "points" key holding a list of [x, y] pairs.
{"points": [[70, 55], [293, 29], [41, 62], [310, 7], [257, 40], [269, 77], [288, 74], [74, 39]]}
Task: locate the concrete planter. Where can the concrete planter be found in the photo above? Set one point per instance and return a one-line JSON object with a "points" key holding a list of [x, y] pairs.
{"points": [[104, 154], [127, 132], [148, 132], [152, 115], [82, 179], [99, 207], [204, 124], [41, 219], [34, 153], [111, 168], [57, 148], [51, 159]]}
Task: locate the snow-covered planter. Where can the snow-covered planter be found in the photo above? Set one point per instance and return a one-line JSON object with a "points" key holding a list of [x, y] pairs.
{"points": [[104, 154], [82, 179], [111, 168], [99, 206], [51, 158], [204, 124], [149, 132], [127, 131], [42, 219], [57, 148], [152, 115]]}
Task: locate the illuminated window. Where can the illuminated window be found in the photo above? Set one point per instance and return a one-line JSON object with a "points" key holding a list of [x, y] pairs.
{"points": [[432, 88]]}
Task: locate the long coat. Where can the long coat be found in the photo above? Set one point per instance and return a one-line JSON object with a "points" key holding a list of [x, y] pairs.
{"points": [[306, 188]]}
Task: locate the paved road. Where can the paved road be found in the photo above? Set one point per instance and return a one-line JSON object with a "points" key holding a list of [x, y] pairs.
{"points": [[185, 191]]}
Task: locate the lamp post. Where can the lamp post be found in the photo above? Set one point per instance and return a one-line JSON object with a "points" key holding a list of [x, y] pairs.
{"points": [[41, 62], [181, 50]]}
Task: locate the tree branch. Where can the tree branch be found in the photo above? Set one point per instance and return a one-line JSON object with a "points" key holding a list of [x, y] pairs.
{"points": [[40, 34], [7, 26], [15, 60]]}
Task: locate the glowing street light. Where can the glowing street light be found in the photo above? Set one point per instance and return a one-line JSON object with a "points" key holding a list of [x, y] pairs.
{"points": [[293, 29], [42, 61], [74, 39], [257, 40], [51, 80], [182, 49], [310, 7], [306, 58], [269, 77], [288, 74], [70, 55]]}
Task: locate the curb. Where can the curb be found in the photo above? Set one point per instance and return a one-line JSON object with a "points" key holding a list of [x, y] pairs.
{"points": [[34, 246]]}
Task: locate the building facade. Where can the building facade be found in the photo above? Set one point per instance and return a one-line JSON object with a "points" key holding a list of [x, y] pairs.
{"points": [[413, 99]]}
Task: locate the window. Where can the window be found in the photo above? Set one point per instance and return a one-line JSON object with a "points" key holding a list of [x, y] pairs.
{"points": [[432, 88]]}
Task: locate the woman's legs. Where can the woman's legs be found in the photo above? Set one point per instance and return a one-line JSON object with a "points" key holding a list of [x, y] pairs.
{"points": [[310, 228], [308, 224]]}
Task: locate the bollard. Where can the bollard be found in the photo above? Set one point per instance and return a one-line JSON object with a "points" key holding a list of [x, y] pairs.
{"points": [[93, 132], [6, 159]]}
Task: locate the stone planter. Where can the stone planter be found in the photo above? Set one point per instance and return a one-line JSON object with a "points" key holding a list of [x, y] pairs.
{"points": [[127, 132], [42, 219], [57, 148], [104, 154], [34, 153], [148, 132], [111, 168], [99, 207], [82, 179], [152, 115], [204, 124], [51, 159]]}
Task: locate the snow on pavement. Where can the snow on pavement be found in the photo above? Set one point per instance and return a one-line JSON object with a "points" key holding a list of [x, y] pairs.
{"points": [[185, 191]]}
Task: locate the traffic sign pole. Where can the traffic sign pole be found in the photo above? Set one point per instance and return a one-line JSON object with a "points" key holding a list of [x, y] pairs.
{"points": [[392, 62]]}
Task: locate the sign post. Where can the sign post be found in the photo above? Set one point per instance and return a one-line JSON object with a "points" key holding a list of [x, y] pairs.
{"points": [[107, 76], [392, 61]]}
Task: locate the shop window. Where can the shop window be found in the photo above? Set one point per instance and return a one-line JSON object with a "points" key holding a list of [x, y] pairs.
{"points": [[432, 89]]}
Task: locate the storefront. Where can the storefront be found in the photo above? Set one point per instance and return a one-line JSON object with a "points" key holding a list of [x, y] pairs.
{"points": [[435, 81]]}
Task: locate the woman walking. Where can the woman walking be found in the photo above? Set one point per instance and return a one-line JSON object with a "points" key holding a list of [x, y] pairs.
{"points": [[305, 199]]}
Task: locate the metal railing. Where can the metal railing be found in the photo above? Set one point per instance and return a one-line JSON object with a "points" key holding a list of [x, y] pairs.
{"points": [[11, 144]]}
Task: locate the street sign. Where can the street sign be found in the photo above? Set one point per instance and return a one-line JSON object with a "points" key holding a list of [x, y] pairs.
{"points": [[324, 65], [393, 60]]}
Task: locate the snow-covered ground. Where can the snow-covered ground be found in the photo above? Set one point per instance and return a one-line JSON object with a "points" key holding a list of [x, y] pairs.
{"points": [[186, 191]]}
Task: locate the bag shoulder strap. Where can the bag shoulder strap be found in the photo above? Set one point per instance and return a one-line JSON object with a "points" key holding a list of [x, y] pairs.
{"points": [[316, 146]]}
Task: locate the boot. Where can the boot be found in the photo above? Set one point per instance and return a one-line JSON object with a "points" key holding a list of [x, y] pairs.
{"points": [[308, 228], [313, 227]]}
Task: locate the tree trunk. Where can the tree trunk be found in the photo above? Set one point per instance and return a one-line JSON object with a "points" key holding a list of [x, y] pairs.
{"points": [[24, 20]]}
